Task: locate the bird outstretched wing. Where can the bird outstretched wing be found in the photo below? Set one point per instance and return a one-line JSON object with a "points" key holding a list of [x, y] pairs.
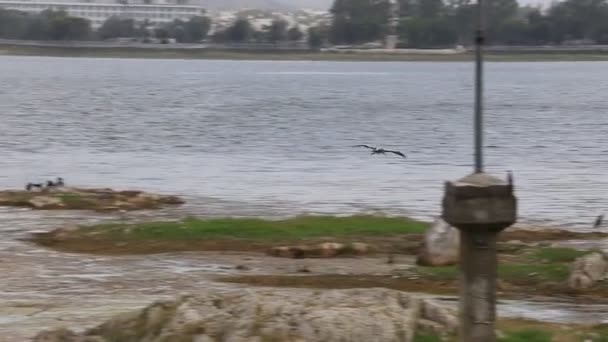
{"points": [[366, 146], [397, 153]]}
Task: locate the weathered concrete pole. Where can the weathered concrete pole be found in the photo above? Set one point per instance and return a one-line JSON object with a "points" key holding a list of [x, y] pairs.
{"points": [[480, 206]]}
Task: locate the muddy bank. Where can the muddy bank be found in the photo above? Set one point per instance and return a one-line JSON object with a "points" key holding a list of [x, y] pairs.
{"points": [[523, 272], [539, 234], [411, 281], [102, 246], [81, 241], [383, 235], [69, 198], [40, 284]]}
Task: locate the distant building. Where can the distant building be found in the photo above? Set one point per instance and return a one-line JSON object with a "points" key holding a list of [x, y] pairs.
{"points": [[392, 38], [157, 12]]}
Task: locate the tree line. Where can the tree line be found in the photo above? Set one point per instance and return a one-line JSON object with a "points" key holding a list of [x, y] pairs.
{"points": [[242, 31], [58, 25], [433, 23], [46, 25], [420, 24]]}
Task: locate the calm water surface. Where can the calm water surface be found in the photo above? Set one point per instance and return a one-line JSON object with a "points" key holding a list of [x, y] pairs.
{"points": [[277, 135]]}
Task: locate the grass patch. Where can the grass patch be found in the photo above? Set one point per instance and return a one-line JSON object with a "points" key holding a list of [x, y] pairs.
{"points": [[559, 254], [427, 337], [527, 335], [599, 333], [506, 271], [334, 281], [394, 235], [537, 265], [515, 330], [533, 331], [17, 199], [304, 227], [76, 201]]}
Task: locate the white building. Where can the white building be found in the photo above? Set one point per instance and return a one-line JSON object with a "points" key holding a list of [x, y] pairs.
{"points": [[157, 12]]}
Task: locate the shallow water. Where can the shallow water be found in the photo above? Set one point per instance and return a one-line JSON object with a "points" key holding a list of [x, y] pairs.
{"points": [[278, 134]]}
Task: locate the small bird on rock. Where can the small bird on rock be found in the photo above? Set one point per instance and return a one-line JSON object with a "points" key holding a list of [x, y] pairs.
{"points": [[598, 221], [510, 177]]}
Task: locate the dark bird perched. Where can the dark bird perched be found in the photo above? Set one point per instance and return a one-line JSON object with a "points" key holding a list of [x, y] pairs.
{"points": [[510, 178], [58, 182], [598, 221], [31, 186], [376, 150]]}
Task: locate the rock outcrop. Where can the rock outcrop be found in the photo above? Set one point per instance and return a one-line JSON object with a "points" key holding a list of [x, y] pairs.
{"points": [[587, 270], [436, 318], [355, 315], [86, 199], [323, 250], [440, 246]]}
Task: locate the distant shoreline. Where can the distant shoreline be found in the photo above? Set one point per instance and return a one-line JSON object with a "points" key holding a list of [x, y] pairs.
{"points": [[228, 54]]}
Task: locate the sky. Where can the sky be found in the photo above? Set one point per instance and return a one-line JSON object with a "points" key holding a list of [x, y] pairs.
{"points": [[327, 3], [316, 4]]}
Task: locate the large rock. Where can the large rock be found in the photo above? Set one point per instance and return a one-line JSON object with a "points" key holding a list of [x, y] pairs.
{"points": [[356, 315], [587, 270], [46, 203], [331, 249], [64, 335], [436, 318], [440, 246]]}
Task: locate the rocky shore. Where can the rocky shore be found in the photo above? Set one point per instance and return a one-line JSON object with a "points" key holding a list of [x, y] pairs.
{"points": [[70, 198], [258, 315], [317, 256]]}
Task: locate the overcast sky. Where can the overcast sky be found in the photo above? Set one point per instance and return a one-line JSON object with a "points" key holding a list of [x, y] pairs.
{"points": [[535, 2], [327, 3]]}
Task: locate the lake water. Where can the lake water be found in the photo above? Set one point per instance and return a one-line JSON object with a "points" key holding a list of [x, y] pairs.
{"points": [[276, 137]]}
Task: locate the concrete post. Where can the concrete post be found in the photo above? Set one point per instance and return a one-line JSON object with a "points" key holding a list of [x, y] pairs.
{"points": [[480, 206]]}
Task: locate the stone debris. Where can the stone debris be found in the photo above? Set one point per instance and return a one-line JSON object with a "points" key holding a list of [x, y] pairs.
{"points": [[323, 250], [353, 315], [587, 270]]}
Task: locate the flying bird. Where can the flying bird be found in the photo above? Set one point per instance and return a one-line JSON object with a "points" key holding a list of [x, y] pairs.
{"points": [[598, 221], [376, 150]]}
